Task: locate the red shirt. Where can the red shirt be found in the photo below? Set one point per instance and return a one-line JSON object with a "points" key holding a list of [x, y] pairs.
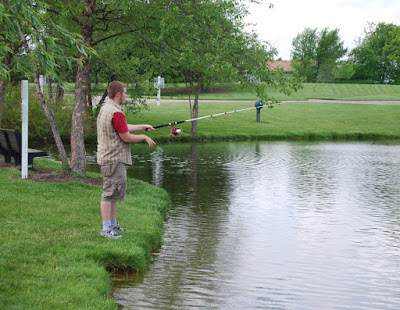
{"points": [[119, 122]]}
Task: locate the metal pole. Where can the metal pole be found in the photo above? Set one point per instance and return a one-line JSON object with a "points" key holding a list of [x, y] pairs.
{"points": [[24, 129]]}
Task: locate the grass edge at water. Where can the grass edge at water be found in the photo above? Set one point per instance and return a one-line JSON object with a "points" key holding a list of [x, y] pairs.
{"points": [[52, 253]]}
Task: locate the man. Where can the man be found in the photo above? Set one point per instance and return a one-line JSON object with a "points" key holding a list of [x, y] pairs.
{"points": [[114, 153]]}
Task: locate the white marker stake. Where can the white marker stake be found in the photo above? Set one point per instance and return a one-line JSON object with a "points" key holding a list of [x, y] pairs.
{"points": [[24, 138]]}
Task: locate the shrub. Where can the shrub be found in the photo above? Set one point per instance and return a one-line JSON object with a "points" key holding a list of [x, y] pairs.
{"points": [[39, 127]]}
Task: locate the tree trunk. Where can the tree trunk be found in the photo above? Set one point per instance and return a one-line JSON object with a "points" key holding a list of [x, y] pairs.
{"points": [[78, 152], [195, 110], [59, 93], [89, 106], [50, 117], [8, 59], [100, 103], [51, 101], [3, 87]]}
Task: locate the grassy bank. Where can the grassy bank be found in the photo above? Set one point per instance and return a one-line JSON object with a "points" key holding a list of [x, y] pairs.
{"points": [[310, 90], [285, 121], [52, 255]]}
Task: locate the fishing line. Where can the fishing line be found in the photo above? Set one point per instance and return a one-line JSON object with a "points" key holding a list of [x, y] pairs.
{"points": [[176, 131]]}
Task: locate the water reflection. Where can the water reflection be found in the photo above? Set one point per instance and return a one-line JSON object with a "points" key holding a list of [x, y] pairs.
{"points": [[258, 225], [272, 225]]}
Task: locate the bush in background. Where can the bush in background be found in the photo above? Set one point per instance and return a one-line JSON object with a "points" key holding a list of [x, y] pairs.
{"points": [[39, 127]]}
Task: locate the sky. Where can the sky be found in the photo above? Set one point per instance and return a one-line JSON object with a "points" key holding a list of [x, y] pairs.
{"points": [[282, 23]]}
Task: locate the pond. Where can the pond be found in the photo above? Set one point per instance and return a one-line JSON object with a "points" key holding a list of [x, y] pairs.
{"points": [[272, 225]]}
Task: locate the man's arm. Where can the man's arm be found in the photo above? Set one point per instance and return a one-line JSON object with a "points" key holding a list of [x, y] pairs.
{"points": [[130, 138], [133, 128]]}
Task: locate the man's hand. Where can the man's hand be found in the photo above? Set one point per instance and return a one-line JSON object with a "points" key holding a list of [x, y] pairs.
{"points": [[148, 128], [150, 141], [131, 138]]}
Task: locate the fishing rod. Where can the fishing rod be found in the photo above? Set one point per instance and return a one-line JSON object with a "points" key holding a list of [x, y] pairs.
{"points": [[177, 131]]}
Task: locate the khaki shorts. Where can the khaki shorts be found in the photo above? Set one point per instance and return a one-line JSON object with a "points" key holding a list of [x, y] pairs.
{"points": [[114, 182]]}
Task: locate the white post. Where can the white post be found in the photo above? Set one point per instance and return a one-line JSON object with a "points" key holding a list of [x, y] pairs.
{"points": [[159, 90], [24, 136]]}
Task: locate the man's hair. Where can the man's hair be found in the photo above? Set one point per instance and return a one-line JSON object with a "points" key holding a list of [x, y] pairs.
{"points": [[114, 88]]}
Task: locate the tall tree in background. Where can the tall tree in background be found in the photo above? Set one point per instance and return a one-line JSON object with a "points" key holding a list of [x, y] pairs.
{"points": [[133, 62], [304, 54], [393, 46], [315, 54], [372, 58], [329, 50], [204, 42]]}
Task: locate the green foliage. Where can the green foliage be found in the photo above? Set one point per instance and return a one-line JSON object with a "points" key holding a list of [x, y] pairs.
{"points": [[47, 41], [343, 71], [372, 58], [39, 127], [315, 54], [122, 60], [329, 50], [204, 42], [393, 46], [304, 54]]}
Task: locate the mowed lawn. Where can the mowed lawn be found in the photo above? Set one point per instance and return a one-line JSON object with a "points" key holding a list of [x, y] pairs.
{"points": [[297, 120]]}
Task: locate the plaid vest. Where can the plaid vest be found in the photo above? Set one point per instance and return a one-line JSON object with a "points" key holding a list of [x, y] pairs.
{"points": [[110, 147]]}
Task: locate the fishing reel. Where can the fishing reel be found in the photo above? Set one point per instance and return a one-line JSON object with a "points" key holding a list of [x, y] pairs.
{"points": [[175, 131]]}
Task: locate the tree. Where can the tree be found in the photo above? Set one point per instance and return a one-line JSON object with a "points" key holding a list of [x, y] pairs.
{"points": [[343, 71], [96, 21], [9, 47], [315, 54], [329, 50], [392, 47], [132, 63], [372, 58], [205, 42], [42, 52], [304, 54]]}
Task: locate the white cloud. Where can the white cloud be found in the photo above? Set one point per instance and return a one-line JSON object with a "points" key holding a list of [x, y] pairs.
{"points": [[288, 18]]}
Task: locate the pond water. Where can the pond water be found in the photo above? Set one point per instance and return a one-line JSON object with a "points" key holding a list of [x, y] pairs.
{"points": [[272, 225]]}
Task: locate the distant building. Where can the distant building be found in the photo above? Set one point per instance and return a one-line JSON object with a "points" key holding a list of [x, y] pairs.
{"points": [[284, 64]]}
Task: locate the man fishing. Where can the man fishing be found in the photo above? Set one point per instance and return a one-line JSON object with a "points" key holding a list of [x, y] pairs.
{"points": [[114, 153]]}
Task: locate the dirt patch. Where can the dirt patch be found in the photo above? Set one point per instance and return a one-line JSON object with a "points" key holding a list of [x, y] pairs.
{"points": [[51, 176], [210, 90]]}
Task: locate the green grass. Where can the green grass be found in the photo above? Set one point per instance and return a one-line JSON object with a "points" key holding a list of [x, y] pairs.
{"points": [[52, 255], [285, 121], [310, 90]]}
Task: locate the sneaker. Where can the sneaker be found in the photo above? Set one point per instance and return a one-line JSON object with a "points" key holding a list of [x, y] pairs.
{"points": [[118, 228], [110, 233]]}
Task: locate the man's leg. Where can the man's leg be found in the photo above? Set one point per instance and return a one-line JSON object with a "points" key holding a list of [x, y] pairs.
{"points": [[114, 224], [108, 214], [108, 210]]}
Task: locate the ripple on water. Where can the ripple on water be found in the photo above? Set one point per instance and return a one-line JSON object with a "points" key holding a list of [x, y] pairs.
{"points": [[260, 225]]}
